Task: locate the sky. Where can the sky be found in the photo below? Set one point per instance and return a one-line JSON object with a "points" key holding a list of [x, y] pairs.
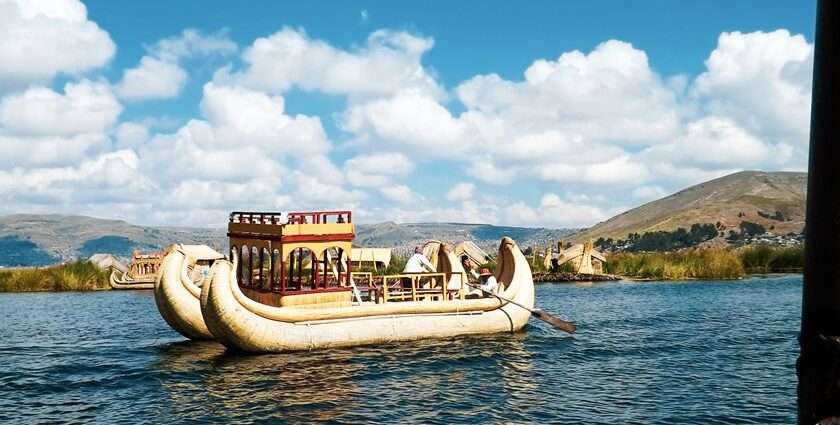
{"points": [[534, 114]]}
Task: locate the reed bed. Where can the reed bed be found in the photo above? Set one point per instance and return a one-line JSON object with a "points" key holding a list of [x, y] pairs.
{"points": [[76, 276], [715, 263], [766, 259]]}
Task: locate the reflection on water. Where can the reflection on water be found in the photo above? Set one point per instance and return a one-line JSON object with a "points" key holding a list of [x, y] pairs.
{"points": [[644, 352], [348, 385]]}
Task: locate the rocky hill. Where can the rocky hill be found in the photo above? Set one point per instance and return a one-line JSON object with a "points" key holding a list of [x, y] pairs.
{"points": [[775, 200], [34, 240]]}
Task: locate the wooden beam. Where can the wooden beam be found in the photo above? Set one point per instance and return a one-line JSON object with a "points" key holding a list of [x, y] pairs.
{"points": [[818, 366]]}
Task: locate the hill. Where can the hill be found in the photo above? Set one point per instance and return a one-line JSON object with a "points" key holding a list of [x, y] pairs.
{"points": [[36, 240], [775, 200]]}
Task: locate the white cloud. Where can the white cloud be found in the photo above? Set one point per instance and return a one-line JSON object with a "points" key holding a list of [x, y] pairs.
{"points": [[112, 177], [131, 135], [611, 94], [159, 74], [649, 193], [151, 79], [621, 170], [389, 62], [483, 169], [716, 142], [40, 39], [461, 191], [602, 128], [192, 43], [245, 117], [399, 193], [553, 211], [377, 170], [44, 128], [763, 82], [85, 107], [412, 120]]}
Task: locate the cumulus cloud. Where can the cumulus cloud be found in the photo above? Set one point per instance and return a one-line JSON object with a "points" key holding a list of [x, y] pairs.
{"points": [[762, 81], [610, 94], [389, 62], [39, 40], [589, 132], [130, 135], [399, 193], [412, 119], [553, 211], [461, 191], [242, 116], [85, 107], [377, 170], [47, 128], [108, 178], [159, 74]]}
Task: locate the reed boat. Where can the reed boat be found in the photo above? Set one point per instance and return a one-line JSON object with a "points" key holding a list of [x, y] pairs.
{"points": [[122, 280], [178, 288], [142, 275], [264, 300]]}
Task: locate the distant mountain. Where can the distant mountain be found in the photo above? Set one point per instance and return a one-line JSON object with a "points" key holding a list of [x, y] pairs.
{"points": [[35, 240], [775, 200], [32, 240], [405, 236]]}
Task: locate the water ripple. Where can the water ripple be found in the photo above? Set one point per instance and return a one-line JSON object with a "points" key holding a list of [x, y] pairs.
{"points": [[689, 352]]}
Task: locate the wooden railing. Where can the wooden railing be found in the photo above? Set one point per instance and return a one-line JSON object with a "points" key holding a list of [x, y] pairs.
{"points": [[417, 287], [366, 286]]}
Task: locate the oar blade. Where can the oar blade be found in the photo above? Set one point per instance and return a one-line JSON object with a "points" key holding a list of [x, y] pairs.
{"points": [[555, 321]]}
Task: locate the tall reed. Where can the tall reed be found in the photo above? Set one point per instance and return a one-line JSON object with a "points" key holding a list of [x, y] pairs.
{"points": [[76, 276], [716, 263], [764, 259]]}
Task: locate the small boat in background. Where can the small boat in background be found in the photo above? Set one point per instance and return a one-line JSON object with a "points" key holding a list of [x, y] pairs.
{"points": [[143, 272]]}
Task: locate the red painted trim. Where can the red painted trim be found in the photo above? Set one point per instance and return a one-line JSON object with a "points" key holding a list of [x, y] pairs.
{"points": [[338, 237]]}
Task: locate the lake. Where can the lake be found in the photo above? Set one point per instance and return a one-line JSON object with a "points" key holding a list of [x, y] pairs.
{"points": [[652, 352]]}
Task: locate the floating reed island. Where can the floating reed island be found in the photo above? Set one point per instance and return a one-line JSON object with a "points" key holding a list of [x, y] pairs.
{"points": [[573, 277]]}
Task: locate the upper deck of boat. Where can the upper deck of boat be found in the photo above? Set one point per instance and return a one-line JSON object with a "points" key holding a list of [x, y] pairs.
{"points": [[293, 226]]}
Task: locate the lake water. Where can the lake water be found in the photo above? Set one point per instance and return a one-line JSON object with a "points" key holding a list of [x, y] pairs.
{"points": [[678, 352]]}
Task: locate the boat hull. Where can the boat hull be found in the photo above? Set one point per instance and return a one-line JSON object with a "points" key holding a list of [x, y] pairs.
{"points": [[243, 324], [177, 297], [123, 282]]}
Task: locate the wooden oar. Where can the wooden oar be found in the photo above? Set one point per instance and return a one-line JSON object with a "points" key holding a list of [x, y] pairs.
{"points": [[539, 314]]}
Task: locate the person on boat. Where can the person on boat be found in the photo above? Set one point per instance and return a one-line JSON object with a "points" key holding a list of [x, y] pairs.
{"points": [[340, 218], [469, 267], [418, 263], [488, 281]]}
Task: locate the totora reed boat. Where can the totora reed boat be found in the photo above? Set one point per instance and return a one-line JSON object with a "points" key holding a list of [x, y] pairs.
{"points": [[289, 286], [144, 268], [178, 288]]}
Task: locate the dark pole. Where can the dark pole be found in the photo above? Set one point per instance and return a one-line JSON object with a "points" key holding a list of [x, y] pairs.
{"points": [[818, 366]]}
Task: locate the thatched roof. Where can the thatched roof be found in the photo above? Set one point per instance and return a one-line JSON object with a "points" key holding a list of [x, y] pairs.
{"points": [[576, 251], [199, 252], [476, 254], [379, 255], [107, 261]]}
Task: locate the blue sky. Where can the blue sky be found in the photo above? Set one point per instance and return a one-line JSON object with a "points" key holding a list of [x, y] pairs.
{"points": [[546, 113]]}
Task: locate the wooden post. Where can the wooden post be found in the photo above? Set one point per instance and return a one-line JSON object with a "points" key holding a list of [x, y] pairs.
{"points": [[818, 366]]}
